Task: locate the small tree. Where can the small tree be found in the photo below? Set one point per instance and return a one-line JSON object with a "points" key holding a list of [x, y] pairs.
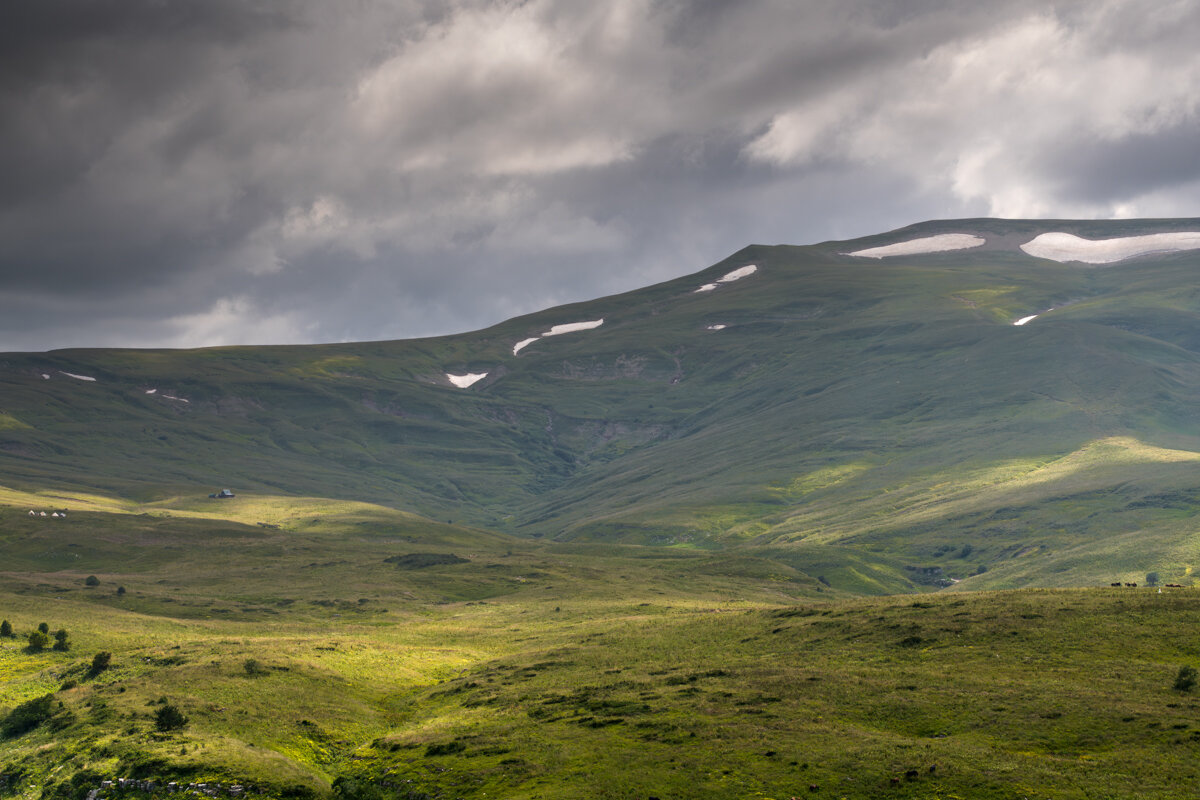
{"points": [[169, 718], [61, 640], [6, 629], [92, 580], [121, 590], [38, 641], [100, 662], [1185, 679], [253, 668], [44, 627]]}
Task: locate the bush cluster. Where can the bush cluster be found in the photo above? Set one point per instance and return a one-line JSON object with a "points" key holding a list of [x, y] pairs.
{"points": [[39, 639]]}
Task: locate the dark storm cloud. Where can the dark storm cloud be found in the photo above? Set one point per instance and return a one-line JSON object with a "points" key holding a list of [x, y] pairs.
{"points": [[200, 173], [1138, 164]]}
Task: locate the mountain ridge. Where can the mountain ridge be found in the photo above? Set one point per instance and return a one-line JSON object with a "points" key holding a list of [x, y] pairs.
{"points": [[835, 381]]}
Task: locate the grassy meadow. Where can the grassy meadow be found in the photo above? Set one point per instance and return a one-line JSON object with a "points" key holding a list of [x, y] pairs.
{"points": [[538, 669]]}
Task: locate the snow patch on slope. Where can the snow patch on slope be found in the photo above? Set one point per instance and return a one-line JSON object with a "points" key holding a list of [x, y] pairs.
{"points": [[571, 327], [566, 327], [1062, 247], [78, 377], [928, 244], [463, 381], [739, 273], [729, 277], [1024, 320]]}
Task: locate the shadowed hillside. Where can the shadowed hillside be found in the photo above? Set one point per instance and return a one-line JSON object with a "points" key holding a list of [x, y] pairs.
{"points": [[862, 417]]}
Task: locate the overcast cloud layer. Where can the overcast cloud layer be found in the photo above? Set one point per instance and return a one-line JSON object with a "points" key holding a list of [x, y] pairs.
{"points": [[184, 174]]}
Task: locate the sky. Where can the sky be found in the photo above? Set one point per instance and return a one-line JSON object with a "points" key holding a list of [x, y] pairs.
{"points": [[186, 174]]}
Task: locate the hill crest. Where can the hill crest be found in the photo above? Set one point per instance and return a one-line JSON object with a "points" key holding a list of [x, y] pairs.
{"points": [[774, 407]]}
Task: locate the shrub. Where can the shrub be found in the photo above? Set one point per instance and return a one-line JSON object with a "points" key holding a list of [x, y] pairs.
{"points": [[61, 641], [6, 629], [253, 668], [44, 627], [1185, 679], [38, 641], [92, 580], [445, 749], [120, 590], [27, 716], [169, 718], [100, 662]]}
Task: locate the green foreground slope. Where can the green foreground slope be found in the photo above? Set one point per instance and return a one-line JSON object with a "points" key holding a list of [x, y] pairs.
{"points": [[470, 665]]}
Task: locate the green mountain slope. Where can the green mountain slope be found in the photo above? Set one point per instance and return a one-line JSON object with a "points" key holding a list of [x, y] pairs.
{"points": [[879, 423]]}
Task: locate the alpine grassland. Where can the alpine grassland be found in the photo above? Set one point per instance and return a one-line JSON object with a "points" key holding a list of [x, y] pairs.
{"points": [[538, 669], [838, 528]]}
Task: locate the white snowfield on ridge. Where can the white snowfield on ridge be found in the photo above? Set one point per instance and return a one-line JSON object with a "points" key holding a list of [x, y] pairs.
{"points": [[1055, 246], [928, 244], [1064, 247]]}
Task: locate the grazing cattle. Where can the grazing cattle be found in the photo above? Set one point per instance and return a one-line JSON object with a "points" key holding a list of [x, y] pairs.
{"points": [[895, 781], [1133, 585], [912, 774], [1118, 583], [32, 513]]}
